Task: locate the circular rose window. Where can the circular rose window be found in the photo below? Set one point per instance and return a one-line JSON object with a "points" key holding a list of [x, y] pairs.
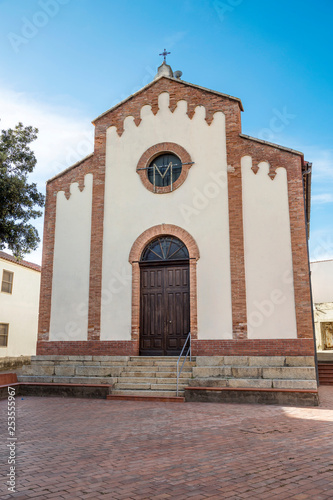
{"points": [[164, 170], [164, 167]]}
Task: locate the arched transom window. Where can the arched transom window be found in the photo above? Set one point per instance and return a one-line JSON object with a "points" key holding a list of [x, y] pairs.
{"points": [[165, 248]]}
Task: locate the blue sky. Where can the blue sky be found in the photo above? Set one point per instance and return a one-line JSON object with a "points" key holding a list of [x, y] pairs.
{"points": [[64, 62]]}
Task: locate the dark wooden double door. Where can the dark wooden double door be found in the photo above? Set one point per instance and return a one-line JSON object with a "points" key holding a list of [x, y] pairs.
{"points": [[165, 308]]}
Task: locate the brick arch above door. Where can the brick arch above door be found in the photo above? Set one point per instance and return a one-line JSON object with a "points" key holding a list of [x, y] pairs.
{"points": [[134, 258]]}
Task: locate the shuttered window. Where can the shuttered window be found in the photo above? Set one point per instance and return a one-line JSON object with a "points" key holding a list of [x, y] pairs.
{"points": [[3, 334], [7, 282]]}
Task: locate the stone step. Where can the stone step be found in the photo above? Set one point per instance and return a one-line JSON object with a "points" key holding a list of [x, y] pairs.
{"points": [[172, 369], [149, 398], [151, 380], [78, 363], [244, 372], [70, 370], [155, 374], [255, 361], [324, 356], [58, 357], [67, 380], [148, 386], [253, 383], [160, 358], [155, 362], [122, 392]]}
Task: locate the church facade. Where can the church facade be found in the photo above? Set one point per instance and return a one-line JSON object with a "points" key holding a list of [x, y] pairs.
{"points": [[177, 223]]}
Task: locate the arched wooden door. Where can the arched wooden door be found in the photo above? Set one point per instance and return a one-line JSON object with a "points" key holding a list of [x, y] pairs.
{"points": [[164, 297]]}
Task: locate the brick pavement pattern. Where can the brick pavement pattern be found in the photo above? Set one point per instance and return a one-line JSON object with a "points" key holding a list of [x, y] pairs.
{"points": [[94, 449]]}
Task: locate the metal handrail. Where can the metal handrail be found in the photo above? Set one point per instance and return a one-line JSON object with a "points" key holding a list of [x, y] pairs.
{"points": [[188, 339]]}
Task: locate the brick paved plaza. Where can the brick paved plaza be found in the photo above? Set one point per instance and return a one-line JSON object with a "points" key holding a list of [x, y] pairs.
{"points": [[94, 449]]}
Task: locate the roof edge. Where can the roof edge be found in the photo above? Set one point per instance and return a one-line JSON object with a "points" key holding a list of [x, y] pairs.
{"points": [[317, 261], [283, 148], [23, 263], [69, 168], [227, 96]]}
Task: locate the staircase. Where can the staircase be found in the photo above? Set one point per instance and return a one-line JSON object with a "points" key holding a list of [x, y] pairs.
{"points": [[278, 379], [125, 377], [325, 367], [151, 377], [325, 371]]}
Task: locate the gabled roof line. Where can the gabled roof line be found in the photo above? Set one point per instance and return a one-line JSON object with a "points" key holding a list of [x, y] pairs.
{"points": [[69, 168], [283, 148], [227, 96]]}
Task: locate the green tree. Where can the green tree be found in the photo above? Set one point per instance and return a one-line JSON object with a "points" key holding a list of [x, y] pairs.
{"points": [[18, 198]]}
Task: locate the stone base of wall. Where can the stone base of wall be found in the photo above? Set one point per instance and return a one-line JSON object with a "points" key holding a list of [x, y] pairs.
{"points": [[11, 363], [58, 390], [283, 397]]}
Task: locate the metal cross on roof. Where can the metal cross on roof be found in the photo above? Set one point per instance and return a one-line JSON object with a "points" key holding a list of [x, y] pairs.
{"points": [[164, 54]]}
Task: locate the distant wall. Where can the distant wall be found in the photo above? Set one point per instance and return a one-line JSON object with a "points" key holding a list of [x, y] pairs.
{"points": [[20, 310]]}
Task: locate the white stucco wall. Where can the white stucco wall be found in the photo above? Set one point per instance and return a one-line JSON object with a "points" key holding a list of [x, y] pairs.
{"points": [[322, 296], [20, 310], [322, 281], [200, 206], [70, 284], [323, 313], [268, 254]]}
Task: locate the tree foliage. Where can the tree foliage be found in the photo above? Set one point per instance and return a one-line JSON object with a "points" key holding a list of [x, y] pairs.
{"points": [[18, 198]]}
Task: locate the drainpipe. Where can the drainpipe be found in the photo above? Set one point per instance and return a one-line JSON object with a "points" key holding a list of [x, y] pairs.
{"points": [[307, 224]]}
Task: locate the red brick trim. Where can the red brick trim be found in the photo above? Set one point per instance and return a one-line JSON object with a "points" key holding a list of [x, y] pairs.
{"points": [[147, 236], [153, 152], [253, 347], [96, 245], [90, 347], [134, 258], [274, 347]]}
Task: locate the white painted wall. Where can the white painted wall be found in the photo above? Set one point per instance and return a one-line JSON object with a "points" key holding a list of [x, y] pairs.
{"points": [[322, 281], [322, 296], [323, 313], [20, 310], [200, 206], [70, 284], [268, 254]]}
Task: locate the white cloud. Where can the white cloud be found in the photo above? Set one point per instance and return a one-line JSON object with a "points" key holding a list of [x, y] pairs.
{"points": [[63, 139], [65, 136], [322, 163], [321, 244], [321, 199]]}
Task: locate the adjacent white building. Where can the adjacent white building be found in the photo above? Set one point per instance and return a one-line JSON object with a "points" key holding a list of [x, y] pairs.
{"points": [[19, 302], [322, 292]]}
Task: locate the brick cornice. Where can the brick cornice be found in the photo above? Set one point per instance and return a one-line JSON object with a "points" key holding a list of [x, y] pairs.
{"points": [[194, 96]]}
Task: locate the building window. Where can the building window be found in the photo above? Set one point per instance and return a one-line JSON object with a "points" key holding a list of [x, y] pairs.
{"points": [[165, 248], [7, 282], [164, 170], [3, 334], [164, 167]]}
